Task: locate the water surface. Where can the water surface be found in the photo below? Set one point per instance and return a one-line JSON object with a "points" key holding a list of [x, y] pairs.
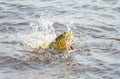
{"points": [[95, 25]]}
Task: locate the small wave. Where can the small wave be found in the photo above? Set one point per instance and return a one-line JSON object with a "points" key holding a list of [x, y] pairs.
{"points": [[117, 9]]}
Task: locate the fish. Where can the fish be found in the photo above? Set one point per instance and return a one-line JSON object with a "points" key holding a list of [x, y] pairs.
{"points": [[61, 42]]}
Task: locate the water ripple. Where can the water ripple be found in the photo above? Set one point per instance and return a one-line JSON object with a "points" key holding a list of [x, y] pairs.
{"points": [[95, 26]]}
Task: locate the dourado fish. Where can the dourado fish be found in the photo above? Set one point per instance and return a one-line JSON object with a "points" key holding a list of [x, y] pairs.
{"points": [[62, 42]]}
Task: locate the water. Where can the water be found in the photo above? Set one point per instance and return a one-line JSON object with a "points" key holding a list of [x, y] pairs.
{"points": [[26, 23]]}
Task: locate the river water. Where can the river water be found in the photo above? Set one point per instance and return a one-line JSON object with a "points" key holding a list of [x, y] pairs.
{"points": [[26, 23]]}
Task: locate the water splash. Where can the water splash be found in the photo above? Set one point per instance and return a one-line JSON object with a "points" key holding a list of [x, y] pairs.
{"points": [[42, 32]]}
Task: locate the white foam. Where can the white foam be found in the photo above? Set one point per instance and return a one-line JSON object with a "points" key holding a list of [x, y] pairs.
{"points": [[42, 32]]}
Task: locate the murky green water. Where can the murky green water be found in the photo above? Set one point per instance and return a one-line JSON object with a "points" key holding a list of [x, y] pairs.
{"points": [[26, 23]]}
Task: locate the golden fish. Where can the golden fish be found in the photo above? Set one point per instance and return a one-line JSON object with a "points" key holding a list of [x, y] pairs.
{"points": [[62, 41]]}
